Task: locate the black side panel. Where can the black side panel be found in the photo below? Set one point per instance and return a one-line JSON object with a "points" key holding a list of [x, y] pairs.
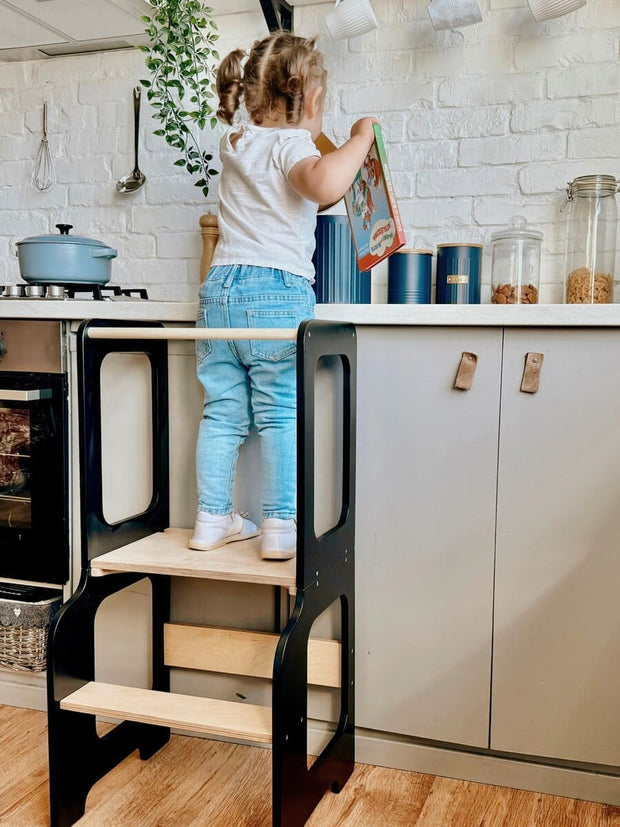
{"points": [[98, 536], [78, 757], [325, 574], [316, 555]]}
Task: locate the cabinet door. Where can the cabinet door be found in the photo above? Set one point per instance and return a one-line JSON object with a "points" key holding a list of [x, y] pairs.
{"points": [[426, 487], [556, 655]]}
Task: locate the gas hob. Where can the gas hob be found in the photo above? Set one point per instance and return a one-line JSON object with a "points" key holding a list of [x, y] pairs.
{"points": [[81, 292]]}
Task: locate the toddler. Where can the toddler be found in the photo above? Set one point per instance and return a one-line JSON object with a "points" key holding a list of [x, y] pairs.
{"points": [[272, 179]]}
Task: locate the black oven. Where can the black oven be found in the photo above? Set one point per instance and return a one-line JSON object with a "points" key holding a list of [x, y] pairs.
{"points": [[34, 496]]}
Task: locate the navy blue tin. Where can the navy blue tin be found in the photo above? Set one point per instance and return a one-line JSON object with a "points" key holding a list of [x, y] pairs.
{"points": [[410, 277], [338, 278], [458, 273]]}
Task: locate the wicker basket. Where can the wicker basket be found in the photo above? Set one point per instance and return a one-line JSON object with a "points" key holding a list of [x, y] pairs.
{"points": [[25, 617]]}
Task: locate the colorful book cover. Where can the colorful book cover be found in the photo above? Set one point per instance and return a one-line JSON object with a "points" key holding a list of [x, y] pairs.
{"points": [[376, 225]]}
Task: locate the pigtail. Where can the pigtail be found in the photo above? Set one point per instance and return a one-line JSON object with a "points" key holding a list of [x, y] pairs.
{"points": [[296, 67], [229, 85], [294, 75]]}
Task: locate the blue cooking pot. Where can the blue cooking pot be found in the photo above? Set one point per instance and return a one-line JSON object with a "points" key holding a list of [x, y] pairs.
{"points": [[59, 259]]}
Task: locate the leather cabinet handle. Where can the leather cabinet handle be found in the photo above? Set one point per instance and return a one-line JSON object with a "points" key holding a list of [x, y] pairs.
{"points": [[531, 372], [465, 373]]}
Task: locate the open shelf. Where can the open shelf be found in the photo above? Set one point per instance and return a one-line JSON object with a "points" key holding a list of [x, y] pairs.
{"points": [[166, 552], [204, 715]]}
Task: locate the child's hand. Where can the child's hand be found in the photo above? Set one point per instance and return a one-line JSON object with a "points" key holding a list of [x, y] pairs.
{"points": [[326, 179], [363, 127]]}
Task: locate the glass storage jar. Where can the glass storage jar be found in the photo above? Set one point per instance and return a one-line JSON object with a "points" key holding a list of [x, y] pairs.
{"points": [[515, 271], [591, 217]]}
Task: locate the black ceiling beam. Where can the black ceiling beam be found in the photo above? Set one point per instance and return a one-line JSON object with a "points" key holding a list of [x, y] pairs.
{"points": [[278, 15]]}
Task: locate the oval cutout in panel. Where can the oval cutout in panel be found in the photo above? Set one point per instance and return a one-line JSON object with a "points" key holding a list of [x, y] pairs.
{"points": [[126, 435], [328, 441]]}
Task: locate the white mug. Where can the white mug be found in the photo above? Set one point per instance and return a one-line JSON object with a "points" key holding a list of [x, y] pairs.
{"points": [[350, 18], [452, 14], [548, 9]]}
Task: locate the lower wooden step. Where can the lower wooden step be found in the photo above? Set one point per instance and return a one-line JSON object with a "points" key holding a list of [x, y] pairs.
{"points": [[208, 716]]}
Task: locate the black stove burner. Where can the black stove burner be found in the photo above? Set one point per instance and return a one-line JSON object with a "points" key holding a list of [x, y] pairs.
{"points": [[100, 292]]}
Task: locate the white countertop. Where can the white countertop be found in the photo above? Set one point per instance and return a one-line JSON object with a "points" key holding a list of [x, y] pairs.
{"points": [[136, 310], [487, 315]]}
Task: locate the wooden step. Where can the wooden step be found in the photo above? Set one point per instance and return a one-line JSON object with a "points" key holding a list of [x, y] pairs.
{"points": [[207, 716], [167, 553], [243, 652]]}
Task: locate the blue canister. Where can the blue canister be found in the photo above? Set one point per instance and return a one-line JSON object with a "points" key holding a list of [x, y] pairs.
{"points": [[410, 276], [338, 278], [458, 273]]}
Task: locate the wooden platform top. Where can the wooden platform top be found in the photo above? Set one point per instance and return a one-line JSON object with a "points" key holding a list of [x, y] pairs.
{"points": [[167, 553]]}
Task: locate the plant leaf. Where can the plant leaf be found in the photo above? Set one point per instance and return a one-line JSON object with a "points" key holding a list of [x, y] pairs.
{"points": [[181, 60]]}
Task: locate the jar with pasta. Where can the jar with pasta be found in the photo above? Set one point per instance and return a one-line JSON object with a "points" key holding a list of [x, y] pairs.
{"points": [[515, 271], [591, 217]]}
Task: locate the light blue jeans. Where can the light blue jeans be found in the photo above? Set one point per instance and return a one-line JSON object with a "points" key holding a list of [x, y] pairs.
{"points": [[249, 381]]}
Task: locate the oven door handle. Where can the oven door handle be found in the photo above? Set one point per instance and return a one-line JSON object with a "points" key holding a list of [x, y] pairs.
{"points": [[13, 395]]}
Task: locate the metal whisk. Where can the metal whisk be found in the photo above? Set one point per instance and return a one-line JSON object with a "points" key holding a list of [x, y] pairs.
{"points": [[44, 174]]}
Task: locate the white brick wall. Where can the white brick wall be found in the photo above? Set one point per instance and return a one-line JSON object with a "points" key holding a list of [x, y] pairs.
{"points": [[481, 123]]}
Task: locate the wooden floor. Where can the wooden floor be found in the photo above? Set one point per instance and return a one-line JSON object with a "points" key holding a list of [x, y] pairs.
{"points": [[198, 783]]}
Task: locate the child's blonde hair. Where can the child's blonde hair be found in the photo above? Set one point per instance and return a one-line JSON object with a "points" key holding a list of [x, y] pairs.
{"points": [[277, 76]]}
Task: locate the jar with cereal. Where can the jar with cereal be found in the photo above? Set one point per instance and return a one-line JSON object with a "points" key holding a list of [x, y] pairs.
{"points": [[591, 217], [515, 272]]}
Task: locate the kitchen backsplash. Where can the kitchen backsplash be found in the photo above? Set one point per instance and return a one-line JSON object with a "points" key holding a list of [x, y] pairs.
{"points": [[481, 123]]}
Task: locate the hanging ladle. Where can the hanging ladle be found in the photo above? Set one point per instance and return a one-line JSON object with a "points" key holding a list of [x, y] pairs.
{"points": [[133, 182]]}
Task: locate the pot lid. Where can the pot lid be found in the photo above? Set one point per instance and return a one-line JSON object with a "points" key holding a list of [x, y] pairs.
{"points": [[62, 237], [518, 228], [459, 244], [413, 250]]}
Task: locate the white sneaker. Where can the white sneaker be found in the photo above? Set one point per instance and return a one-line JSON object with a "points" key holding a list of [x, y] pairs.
{"points": [[215, 530], [279, 539]]}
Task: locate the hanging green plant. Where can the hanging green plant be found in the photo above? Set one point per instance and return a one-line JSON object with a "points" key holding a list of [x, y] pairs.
{"points": [[181, 57]]}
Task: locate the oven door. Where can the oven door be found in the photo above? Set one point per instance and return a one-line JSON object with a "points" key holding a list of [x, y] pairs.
{"points": [[34, 542]]}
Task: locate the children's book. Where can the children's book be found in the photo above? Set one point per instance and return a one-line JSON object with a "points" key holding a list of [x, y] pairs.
{"points": [[376, 225]]}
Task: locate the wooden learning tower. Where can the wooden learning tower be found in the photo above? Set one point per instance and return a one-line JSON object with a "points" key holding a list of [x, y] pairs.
{"points": [[115, 556]]}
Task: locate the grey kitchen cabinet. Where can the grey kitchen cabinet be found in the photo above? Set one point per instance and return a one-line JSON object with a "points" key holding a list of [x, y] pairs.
{"points": [[426, 489], [556, 651]]}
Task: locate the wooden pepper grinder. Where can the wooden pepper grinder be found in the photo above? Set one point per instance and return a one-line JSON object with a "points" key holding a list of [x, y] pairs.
{"points": [[210, 234]]}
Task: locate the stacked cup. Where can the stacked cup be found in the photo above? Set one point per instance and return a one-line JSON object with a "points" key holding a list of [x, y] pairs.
{"points": [[452, 14], [350, 18], [548, 9]]}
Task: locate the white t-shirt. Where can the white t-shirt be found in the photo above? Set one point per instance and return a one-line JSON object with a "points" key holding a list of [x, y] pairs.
{"points": [[262, 220]]}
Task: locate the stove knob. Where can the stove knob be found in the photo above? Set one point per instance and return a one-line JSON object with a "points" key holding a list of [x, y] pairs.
{"points": [[55, 291], [13, 291], [35, 291]]}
